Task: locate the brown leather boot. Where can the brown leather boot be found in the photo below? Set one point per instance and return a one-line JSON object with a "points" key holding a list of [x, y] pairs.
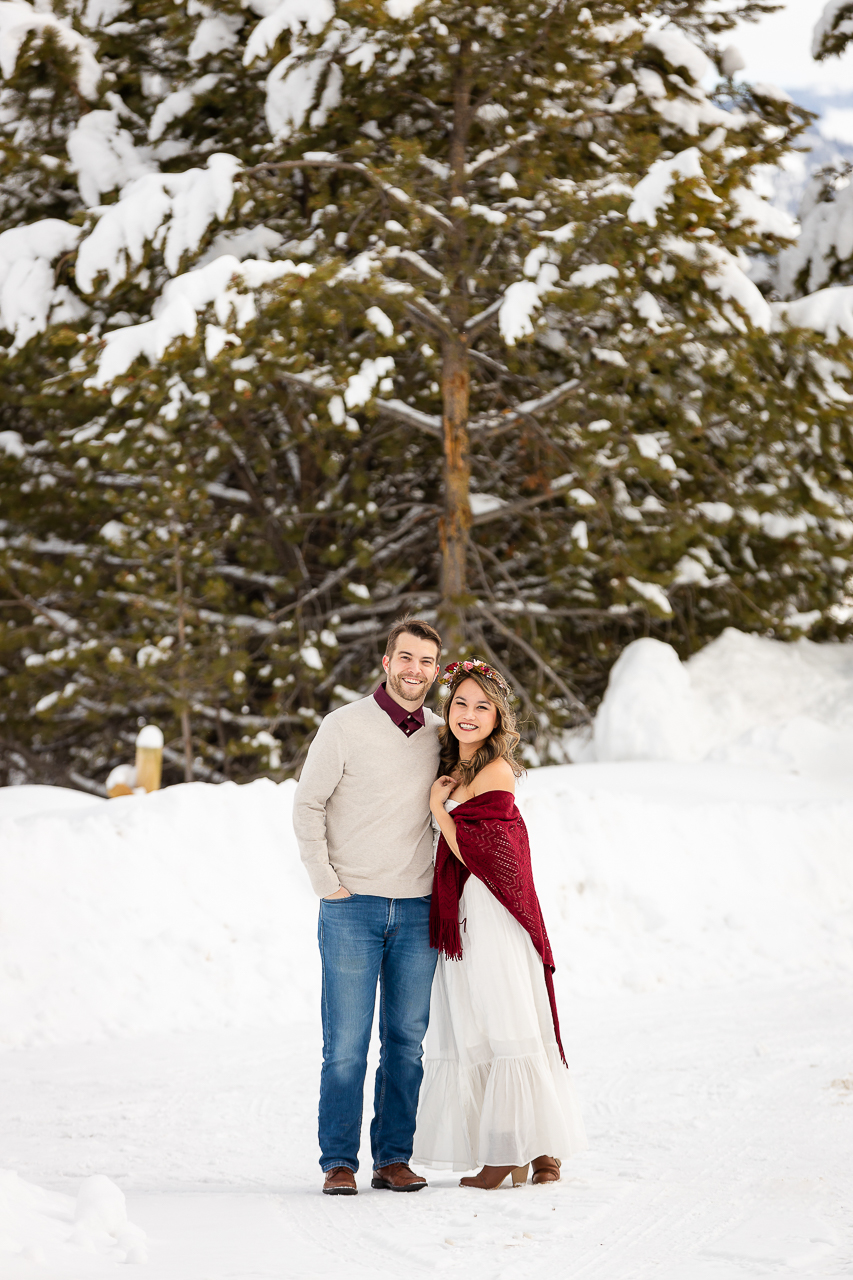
{"points": [[545, 1169], [492, 1176], [340, 1182], [396, 1177]]}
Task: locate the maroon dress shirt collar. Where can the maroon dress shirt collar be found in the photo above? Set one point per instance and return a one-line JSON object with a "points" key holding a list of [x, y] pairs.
{"points": [[408, 721]]}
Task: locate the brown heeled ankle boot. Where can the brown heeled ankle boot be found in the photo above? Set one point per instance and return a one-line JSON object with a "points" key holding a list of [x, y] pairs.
{"points": [[492, 1176], [546, 1169]]}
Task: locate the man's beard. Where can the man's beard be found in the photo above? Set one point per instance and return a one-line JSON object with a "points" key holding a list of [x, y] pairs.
{"points": [[405, 691]]}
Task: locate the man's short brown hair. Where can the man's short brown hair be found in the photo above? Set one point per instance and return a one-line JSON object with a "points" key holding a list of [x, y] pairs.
{"points": [[413, 627]]}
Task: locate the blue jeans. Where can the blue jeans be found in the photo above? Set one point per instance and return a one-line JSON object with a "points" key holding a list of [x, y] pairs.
{"points": [[362, 939]]}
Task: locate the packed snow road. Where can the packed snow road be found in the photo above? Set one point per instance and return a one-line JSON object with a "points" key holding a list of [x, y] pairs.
{"points": [[720, 1124]]}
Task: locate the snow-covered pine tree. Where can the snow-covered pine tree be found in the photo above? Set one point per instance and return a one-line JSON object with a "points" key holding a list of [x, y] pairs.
{"points": [[492, 351], [823, 254], [91, 541]]}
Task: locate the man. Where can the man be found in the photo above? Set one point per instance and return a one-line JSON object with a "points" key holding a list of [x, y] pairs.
{"points": [[362, 819]]}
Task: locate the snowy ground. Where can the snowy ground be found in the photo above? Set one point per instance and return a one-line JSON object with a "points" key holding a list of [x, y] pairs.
{"points": [[721, 1128], [158, 1011]]}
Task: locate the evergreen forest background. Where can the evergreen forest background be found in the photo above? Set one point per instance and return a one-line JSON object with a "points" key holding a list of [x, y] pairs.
{"points": [[314, 316]]}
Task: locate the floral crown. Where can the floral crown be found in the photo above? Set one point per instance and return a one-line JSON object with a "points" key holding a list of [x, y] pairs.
{"points": [[474, 664]]}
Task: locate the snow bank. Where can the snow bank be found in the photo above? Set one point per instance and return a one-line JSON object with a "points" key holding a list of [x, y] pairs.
{"points": [[190, 909], [184, 909], [684, 875], [39, 1226], [705, 838], [742, 700]]}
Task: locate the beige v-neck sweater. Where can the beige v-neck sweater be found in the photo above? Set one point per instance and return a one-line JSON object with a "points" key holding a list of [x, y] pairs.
{"points": [[361, 810]]}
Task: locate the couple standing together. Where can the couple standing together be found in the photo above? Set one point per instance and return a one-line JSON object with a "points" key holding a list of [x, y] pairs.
{"points": [[481, 1079]]}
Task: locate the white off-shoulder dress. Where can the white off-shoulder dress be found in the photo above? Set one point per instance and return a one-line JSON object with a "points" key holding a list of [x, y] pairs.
{"points": [[495, 1090]]}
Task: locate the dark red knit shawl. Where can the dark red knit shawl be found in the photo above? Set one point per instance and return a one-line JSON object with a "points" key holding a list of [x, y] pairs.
{"points": [[492, 839]]}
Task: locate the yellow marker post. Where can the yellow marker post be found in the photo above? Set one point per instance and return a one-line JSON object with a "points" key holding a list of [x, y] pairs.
{"points": [[149, 758]]}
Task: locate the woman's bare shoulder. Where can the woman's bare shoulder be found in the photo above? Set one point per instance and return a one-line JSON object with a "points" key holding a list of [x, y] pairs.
{"points": [[495, 776]]}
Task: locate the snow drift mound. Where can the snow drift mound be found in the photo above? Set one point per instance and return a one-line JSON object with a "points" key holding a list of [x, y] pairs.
{"points": [[742, 700], [39, 1226], [190, 908], [690, 875]]}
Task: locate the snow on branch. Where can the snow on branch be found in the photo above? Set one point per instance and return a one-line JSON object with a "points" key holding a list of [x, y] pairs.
{"points": [[657, 188], [829, 311], [826, 238], [521, 299], [616, 32], [403, 530], [104, 156], [18, 21], [423, 312], [495, 423], [833, 30], [766, 219], [315, 384], [394, 194], [214, 34], [294, 83], [420, 264], [512, 634], [242, 621], [478, 322], [679, 52], [177, 104], [176, 311], [361, 386], [496, 153], [482, 512], [28, 298], [419, 308], [653, 594], [292, 16], [411, 417], [725, 275], [517, 307], [178, 206]]}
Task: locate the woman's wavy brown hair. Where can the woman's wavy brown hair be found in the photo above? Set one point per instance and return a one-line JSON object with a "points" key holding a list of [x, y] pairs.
{"points": [[500, 744]]}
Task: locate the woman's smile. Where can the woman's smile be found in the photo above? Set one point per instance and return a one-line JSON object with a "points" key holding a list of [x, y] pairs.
{"points": [[472, 715]]}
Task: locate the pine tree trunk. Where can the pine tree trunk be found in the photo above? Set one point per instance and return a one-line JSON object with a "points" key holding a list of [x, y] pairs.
{"points": [[456, 520], [455, 389], [186, 734], [186, 730]]}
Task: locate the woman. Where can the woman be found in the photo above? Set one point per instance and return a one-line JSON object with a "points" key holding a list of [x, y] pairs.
{"points": [[496, 1090]]}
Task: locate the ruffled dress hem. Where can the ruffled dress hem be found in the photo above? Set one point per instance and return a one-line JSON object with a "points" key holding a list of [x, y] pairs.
{"points": [[504, 1111]]}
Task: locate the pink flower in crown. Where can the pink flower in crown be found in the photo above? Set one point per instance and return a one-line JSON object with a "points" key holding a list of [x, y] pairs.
{"points": [[467, 665]]}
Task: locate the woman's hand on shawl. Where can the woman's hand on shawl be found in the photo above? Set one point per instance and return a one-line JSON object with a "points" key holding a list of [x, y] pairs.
{"points": [[439, 792], [441, 789]]}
